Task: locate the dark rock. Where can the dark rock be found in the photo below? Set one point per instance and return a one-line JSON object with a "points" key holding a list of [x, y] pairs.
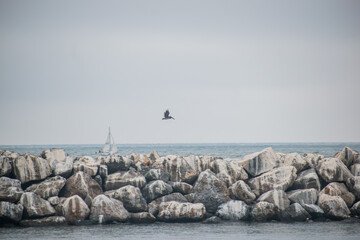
{"points": [[181, 187], [5, 166], [142, 217], [263, 211], [307, 179], [10, 189], [156, 189], [314, 210], [353, 184], [10, 211], [116, 163], [303, 196], [157, 174], [295, 212]]}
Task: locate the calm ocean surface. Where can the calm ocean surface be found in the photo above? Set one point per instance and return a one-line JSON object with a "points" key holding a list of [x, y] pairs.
{"points": [[225, 230]]}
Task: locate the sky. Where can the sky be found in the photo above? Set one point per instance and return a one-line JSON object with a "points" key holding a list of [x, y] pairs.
{"points": [[228, 71]]}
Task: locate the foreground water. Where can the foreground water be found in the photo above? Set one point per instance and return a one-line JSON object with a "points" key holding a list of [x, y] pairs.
{"points": [[224, 230]]}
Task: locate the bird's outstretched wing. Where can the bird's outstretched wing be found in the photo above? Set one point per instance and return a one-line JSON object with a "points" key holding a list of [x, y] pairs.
{"points": [[166, 114]]}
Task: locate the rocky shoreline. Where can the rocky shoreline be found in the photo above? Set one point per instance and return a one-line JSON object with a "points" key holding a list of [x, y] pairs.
{"points": [[54, 188]]}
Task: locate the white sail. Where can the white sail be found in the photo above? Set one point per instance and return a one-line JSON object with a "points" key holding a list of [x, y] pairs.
{"points": [[109, 147], [113, 146]]}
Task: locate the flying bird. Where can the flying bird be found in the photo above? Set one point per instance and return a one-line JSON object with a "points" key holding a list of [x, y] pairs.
{"points": [[167, 115]]}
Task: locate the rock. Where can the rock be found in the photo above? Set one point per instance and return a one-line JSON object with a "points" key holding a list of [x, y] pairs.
{"points": [[154, 155], [5, 166], [355, 169], [60, 163], [263, 211], [355, 210], [279, 178], [156, 189], [212, 220], [86, 164], [314, 210], [346, 156], [30, 168], [313, 159], [10, 211], [339, 189], [98, 179], [143, 159], [64, 169], [35, 206], [48, 188], [75, 209], [47, 221], [259, 162], [307, 179], [295, 212], [142, 168], [292, 159], [154, 205], [157, 174], [183, 169], [181, 187], [210, 191], [242, 191], [110, 208], [333, 206], [233, 210], [276, 197], [103, 171], [353, 184], [54, 201], [116, 163], [177, 212], [83, 185], [130, 196], [333, 170], [303, 196], [121, 179], [10, 189], [142, 217], [229, 171]]}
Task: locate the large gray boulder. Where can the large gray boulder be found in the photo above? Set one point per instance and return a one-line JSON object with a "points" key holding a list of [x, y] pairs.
{"points": [[263, 211], [295, 212], [29, 168], [121, 179], [130, 196], [314, 210], [276, 197], [307, 179], [259, 162], [313, 159], [10, 211], [303, 196], [116, 163], [156, 189], [110, 209], [48, 188], [181, 187], [157, 174], [353, 184], [154, 205], [241, 191], [183, 169], [60, 163], [210, 191], [46, 221], [86, 164], [229, 171], [74, 209], [333, 170], [233, 210], [355, 209], [5, 166], [292, 159], [346, 155], [10, 189], [177, 211], [339, 189], [355, 169], [279, 178], [333, 206], [154, 155], [35, 206]]}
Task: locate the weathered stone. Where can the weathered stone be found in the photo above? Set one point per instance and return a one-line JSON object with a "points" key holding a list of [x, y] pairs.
{"points": [[277, 197], [229, 171], [295, 212], [10, 189], [142, 217], [263, 211], [183, 169], [83, 185], [242, 191], [314, 210], [131, 197], [339, 189], [176, 211], [212, 220], [110, 209], [116, 163], [303, 196], [154, 155], [234, 210], [35, 206], [210, 191], [60, 163], [11, 211], [313, 159], [30, 168], [353, 184], [355, 210], [98, 179], [355, 169], [292, 159], [157, 174], [75, 209], [333, 170], [64, 169], [307, 179], [156, 189], [86, 164], [103, 171], [346, 156], [142, 168], [120, 179], [48, 188], [279, 178], [154, 205], [334, 206], [181, 187], [141, 158], [47, 221], [5, 166], [54, 200], [259, 162]]}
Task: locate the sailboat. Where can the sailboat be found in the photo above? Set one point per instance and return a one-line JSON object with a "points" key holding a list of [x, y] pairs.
{"points": [[110, 146]]}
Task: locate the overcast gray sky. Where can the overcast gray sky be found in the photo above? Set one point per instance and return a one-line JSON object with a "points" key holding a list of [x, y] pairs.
{"points": [[229, 71]]}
